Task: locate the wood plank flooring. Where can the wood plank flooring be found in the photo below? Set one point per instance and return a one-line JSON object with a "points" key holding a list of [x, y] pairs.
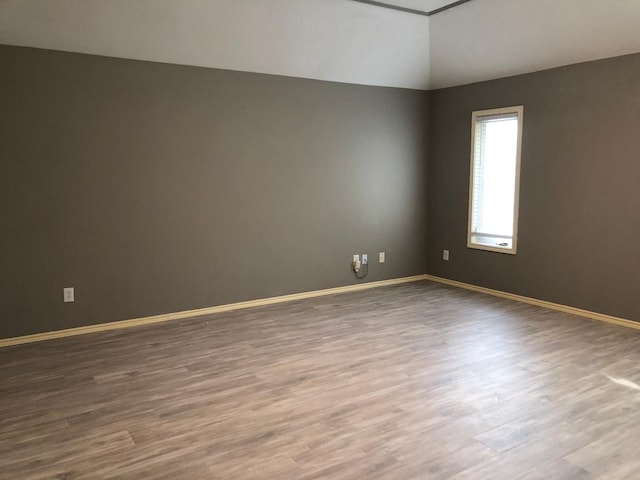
{"points": [[416, 381]]}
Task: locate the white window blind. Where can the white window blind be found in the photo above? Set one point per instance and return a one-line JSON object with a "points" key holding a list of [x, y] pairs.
{"points": [[494, 179]]}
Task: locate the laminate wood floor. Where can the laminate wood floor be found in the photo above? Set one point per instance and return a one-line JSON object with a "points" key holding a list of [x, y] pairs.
{"points": [[416, 381]]}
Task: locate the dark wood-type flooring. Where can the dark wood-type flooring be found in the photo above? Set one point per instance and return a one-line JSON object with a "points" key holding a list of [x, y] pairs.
{"points": [[416, 381]]}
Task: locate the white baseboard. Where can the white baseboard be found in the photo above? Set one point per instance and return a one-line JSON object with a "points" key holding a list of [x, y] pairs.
{"points": [[540, 303], [135, 322]]}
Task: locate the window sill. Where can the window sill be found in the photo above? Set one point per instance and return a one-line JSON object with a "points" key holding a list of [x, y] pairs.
{"points": [[492, 244]]}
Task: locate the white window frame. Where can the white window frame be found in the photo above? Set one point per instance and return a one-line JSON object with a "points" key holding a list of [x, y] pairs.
{"points": [[491, 243]]}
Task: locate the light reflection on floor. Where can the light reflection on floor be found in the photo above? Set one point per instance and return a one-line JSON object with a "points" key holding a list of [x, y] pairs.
{"points": [[623, 382]]}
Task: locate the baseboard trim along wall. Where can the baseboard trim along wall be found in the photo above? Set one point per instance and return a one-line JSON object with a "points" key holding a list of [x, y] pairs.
{"points": [[539, 303], [136, 322]]}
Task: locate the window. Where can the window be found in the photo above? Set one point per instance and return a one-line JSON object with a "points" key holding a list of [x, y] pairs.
{"points": [[496, 137]]}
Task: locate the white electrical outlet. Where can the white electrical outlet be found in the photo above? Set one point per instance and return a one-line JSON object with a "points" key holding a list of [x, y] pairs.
{"points": [[365, 259], [381, 257], [68, 294], [356, 263], [445, 255]]}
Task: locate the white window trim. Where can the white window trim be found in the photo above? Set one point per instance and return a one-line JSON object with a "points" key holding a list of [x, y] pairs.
{"points": [[475, 243]]}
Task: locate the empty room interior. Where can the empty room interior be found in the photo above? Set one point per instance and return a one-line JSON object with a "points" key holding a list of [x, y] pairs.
{"points": [[319, 239]]}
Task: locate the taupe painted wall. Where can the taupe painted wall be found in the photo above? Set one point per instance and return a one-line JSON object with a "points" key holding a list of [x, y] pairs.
{"points": [[156, 188], [579, 240]]}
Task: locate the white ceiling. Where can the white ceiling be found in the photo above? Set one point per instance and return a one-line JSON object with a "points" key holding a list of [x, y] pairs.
{"points": [[424, 5], [336, 40], [486, 39]]}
